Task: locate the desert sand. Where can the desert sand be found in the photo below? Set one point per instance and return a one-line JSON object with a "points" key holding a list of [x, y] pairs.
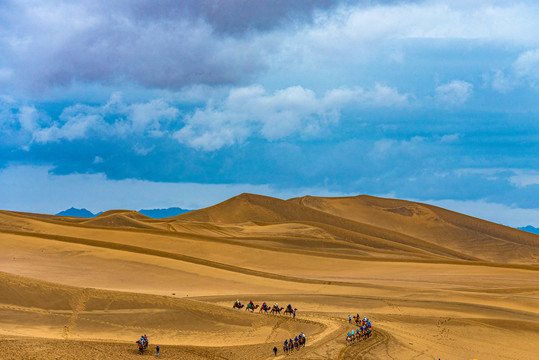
{"points": [[434, 283]]}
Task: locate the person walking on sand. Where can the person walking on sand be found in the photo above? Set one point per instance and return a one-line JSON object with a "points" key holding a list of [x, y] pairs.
{"points": [[294, 313], [157, 350], [349, 318], [275, 350]]}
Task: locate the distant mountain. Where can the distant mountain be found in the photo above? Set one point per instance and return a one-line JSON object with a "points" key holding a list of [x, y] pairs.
{"points": [[153, 213], [76, 213], [163, 213], [530, 228]]}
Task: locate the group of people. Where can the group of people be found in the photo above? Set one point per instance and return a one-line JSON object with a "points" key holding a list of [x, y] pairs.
{"points": [[142, 342], [362, 330], [289, 344]]}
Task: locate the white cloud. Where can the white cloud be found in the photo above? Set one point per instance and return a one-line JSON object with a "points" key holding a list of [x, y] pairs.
{"points": [[355, 31], [28, 118], [378, 96], [527, 66], [141, 150], [252, 111], [74, 127], [523, 72], [502, 83], [450, 138], [525, 178], [456, 92], [79, 121]]}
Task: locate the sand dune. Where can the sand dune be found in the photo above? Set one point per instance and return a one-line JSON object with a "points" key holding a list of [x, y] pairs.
{"points": [[435, 283]]}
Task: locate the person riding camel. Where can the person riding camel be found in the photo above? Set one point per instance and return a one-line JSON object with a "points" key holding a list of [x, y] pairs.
{"points": [[289, 307], [251, 304], [265, 305], [276, 305]]}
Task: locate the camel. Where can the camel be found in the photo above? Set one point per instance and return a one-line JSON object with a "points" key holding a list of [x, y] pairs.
{"points": [[265, 308], [289, 311], [276, 310], [237, 306], [252, 308]]}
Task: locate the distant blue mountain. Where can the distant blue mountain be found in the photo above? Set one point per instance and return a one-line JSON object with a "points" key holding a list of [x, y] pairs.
{"points": [[530, 228], [76, 213], [163, 213], [153, 213]]}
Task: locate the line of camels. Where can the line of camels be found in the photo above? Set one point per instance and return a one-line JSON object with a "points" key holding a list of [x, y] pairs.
{"points": [[265, 308]]}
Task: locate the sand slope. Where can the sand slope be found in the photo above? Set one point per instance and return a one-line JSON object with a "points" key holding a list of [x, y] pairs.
{"points": [[436, 284]]}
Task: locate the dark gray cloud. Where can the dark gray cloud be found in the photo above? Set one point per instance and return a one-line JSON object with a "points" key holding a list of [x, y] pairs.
{"points": [[232, 16], [157, 44], [162, 44]]}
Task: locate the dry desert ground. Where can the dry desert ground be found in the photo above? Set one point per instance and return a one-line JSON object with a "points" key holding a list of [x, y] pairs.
{"points": [[435, 284]]}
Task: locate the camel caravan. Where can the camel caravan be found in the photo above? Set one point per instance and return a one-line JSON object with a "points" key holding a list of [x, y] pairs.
{"points": [[275, 309], [363, 330], [289, 344]]}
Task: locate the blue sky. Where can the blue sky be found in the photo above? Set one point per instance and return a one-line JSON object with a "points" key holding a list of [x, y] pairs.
{"points": [[141, 104]]}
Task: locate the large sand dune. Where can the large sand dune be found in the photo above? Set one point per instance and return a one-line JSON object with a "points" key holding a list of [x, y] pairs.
{"points": [[436, 284]]}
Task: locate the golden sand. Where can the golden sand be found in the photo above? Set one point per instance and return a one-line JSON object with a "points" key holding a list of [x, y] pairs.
{"points": [[434, 283]]}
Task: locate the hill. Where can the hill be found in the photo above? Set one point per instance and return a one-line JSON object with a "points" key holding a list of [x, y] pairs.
{"points": [[153, 213], [366, 225], [530, 228], [76, 213], [163, 213]]}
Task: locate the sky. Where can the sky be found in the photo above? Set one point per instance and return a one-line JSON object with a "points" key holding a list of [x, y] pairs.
{"points": [[153, 104]]}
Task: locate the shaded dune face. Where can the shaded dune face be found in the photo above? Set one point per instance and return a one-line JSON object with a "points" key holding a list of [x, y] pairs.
{"points": [[435, 283]]}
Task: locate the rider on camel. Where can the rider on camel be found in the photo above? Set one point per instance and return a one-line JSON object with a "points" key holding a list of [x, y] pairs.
{"points": [[289, 307], [251, 305], [265, 305]]}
